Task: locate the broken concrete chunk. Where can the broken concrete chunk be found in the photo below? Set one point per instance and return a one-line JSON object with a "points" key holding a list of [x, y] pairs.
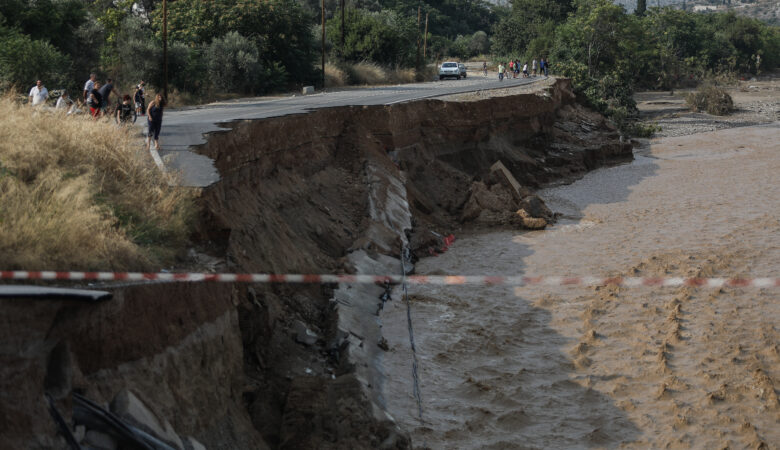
{"points": [[131, 409], [535, 207], [488, 199], [532, 223], [303, 334], [99, 441], [505, 177], [485, 202], [191, 444]]}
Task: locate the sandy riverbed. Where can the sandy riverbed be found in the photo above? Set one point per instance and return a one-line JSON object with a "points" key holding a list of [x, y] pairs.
{"points": [[606, 367]]}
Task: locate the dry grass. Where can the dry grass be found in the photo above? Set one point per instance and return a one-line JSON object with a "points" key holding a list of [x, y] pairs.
{"points": [[368, 73], [335, 76], [402, 76], [76, 194]]}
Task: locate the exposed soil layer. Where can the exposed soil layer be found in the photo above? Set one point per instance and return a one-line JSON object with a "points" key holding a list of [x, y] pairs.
{"points": [[333, 191]]}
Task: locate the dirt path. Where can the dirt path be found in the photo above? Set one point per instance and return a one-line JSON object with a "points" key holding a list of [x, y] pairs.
{"points": [[577, 367]]}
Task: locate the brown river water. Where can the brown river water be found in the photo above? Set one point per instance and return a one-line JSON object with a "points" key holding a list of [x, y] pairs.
{"points": [[582, 367]]}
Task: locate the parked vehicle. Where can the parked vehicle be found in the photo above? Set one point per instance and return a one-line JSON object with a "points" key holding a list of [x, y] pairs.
{"points": [[462, 68], [449, 69]]}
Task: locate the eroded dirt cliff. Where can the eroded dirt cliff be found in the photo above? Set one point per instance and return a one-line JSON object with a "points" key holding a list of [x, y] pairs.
{"points": [[342, 190]]}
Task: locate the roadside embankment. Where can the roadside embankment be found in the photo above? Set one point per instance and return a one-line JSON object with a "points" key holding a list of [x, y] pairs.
{"points": [[76, 194], [335, 190]]}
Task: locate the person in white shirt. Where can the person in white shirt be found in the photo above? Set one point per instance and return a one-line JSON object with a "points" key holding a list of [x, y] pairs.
{"points": [[64, 102], [89, 85], [38, 94]]}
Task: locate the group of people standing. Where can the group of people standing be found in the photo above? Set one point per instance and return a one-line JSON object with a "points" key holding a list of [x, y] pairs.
{"points": [[516, 69], [96, 97]]}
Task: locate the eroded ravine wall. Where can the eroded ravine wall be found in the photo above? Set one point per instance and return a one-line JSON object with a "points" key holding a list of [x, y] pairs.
{"points": [[340, 190]]}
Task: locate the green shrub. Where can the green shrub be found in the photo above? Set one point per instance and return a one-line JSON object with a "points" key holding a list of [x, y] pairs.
{"points": [[640, 129], [23, 60], [385, 38], [140, 53], [234, 63], [711, 99]]}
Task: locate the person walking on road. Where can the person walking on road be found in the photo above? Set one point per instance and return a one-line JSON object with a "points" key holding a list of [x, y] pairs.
{"points": [[88, 86], [525, 70], [154, 115], [38, 94], [140, 99], [484, 67], [533, 66], [501, 70]]}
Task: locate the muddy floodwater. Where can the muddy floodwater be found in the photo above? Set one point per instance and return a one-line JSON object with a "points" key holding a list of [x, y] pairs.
{"points": [[577, 367]]}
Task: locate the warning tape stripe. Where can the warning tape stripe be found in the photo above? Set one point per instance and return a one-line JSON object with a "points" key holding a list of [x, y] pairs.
{"points": [[393, 279]]}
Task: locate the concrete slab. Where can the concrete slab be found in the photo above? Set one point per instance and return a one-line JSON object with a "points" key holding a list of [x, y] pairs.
{"points": [[131, 409], [503, 174]]}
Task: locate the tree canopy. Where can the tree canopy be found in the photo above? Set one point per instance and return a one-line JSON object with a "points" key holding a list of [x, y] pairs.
{"points": [[253, 47]]}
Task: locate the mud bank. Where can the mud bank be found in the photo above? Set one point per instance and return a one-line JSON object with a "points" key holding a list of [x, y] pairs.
{"points": [[339, 190]]}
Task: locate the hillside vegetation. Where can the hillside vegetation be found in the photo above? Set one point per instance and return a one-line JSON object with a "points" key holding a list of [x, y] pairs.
{"points": [[242, 47], [609, 52], [78, 194]]}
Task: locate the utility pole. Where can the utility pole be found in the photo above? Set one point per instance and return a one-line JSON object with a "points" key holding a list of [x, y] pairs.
{"points": [[425, 36], [165, 51], [323, 44], [641, 7], [342, 28], [419, 12]]}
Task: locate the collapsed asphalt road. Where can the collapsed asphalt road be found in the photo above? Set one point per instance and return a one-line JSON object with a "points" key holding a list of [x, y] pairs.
{"points": [[336, 190], [184, 128]]}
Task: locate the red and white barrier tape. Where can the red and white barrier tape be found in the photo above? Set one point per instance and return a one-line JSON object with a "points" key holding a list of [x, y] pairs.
{"points": [[373, 279]]}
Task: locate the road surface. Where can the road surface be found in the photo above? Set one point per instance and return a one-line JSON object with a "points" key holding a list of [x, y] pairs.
{"points": [[187, 127]]}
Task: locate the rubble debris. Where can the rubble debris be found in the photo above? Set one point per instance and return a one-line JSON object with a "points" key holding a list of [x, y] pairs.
{"points": [[98, 440], [131, 409], [303, 335], [532, 223]]}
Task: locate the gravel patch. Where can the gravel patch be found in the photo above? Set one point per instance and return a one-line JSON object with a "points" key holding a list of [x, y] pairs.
{"points": [[757, 102]]}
